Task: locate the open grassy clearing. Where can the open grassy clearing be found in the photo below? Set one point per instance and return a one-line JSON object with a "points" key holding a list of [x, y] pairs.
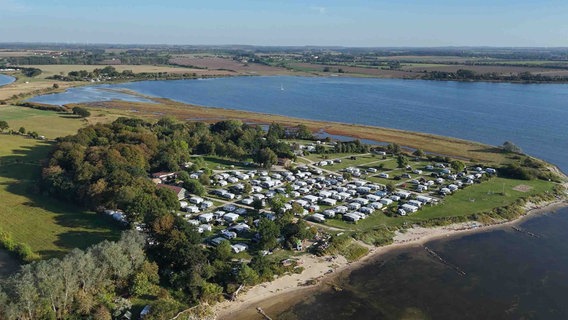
{"points": [[50, 227], [471, 200]]}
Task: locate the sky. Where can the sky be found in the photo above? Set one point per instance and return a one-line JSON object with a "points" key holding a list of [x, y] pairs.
{"points": [[355, 23]]}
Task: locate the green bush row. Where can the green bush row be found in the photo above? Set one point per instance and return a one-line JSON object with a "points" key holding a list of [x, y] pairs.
{"points": [[22, 250]]}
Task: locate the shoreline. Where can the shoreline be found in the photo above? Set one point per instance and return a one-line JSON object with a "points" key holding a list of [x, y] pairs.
{"points": [[284, 291]]}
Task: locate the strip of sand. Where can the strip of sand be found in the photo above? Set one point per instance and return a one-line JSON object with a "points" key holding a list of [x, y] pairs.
{"points": [[290, 289]]}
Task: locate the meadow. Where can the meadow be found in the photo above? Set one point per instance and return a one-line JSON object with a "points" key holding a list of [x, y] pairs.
{"points": [[50, 227]]}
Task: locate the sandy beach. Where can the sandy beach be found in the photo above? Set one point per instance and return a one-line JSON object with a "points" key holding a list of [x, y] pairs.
{"points": [[291, 289]]}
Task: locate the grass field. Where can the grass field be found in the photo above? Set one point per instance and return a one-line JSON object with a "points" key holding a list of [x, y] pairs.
{"points": [[49, 226], [474, 199]]}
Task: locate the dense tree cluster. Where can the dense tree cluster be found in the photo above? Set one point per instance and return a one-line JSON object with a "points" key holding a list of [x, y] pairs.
{"points": [[83, 283], [351, 147], [108, 165], [30, 72]]}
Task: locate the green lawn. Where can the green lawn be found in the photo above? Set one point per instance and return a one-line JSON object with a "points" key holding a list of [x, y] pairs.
{"points": [[50, 227], [47, 123], [473, 199]]}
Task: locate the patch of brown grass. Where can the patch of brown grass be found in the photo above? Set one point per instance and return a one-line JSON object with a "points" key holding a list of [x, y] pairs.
{"points": [[522, 188]]}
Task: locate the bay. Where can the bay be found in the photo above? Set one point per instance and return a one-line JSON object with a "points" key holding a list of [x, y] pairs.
{"points": [[508, 275], [533, 116]]}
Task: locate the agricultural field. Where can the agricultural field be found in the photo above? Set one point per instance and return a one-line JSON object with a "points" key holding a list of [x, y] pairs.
{"points": [[220, 63]]}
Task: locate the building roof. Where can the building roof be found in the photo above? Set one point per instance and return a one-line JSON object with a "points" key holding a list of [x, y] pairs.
{"points": [[175, 189]]}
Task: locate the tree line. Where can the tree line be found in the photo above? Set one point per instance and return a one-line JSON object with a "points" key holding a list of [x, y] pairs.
{"points": [[463, 75]]}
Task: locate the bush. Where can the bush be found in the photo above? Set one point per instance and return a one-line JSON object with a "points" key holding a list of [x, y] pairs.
{"points": [[81, 112], [22, 250]]}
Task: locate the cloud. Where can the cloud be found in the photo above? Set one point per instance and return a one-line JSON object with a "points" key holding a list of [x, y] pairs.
{"points": [[318, 9]]}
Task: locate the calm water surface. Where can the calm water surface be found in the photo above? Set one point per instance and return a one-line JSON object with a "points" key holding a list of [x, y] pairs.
{"points": [[509, 275], [533, 116], [4, 79]]}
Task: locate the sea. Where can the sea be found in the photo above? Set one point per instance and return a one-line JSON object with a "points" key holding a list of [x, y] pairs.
{"points": [[506, 274]]}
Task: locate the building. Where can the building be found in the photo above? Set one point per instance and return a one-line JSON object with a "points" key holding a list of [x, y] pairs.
{"points": [[180, 192]]}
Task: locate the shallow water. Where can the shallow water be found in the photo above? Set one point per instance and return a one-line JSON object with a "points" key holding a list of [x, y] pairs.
{"points": [[509, 275], [4, 79]]}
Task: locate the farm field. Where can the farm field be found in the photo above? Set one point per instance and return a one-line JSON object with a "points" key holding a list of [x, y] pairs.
{"points": [[219, 63]]}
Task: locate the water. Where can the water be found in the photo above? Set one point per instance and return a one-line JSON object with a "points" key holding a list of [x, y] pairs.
{"points": [[533, 116], [509, 275], [88, 94], [4, 79]]}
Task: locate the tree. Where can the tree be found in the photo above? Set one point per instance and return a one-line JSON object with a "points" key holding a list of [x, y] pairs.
{"points": [[55, 86], [194, 186], [508, 146], [390, 187], [277, 203], [247, 275], [247, 187], [419, 153], [269, 233], [3, 125], [267, 158], [401, 161], [205, 179], [303, 132], [258, 204], [81, 112], [22, 130], [393, 148], [457, 165]]}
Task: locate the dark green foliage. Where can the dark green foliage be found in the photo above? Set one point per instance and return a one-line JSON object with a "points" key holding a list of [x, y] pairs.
{"points": [[81, 112], [401, 161], [515, 171], [351, 147], [30, 72], [457, 165], [22, 250], [266, 158], [269, 232], [469, 75], [79, 284], [3, 125]]}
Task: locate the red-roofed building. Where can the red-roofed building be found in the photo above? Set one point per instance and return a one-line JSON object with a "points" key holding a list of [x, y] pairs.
{"points": [[180, 192]]}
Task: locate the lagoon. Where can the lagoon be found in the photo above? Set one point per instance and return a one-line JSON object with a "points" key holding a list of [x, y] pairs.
{"points": [[4, 79], [533, 116]]}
